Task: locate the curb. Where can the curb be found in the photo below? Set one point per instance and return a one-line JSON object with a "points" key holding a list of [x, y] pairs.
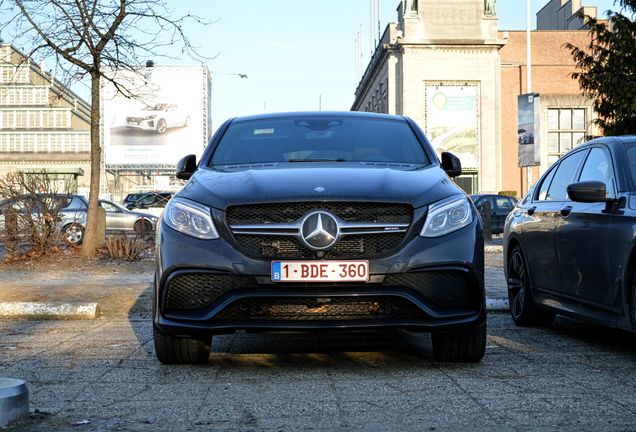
{"points": [[57, 310], [497, 305]]}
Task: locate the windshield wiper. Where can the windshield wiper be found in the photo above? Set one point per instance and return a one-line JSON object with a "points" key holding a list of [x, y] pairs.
{"points": [[317, 160]]}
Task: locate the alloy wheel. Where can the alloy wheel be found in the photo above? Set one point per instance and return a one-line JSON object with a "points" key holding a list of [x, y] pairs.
{"points": [[517, 284]]}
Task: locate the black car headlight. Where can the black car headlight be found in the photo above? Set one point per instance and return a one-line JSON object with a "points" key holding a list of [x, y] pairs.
{"points": [[446, 216], [190, 218]]}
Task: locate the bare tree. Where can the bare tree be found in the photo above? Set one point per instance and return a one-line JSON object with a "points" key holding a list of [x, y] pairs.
{"points": [[95, 38]]}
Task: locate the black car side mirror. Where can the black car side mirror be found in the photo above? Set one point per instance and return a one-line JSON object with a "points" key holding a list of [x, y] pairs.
{"points": [[588, 192], [451, 164], [186, 167]]}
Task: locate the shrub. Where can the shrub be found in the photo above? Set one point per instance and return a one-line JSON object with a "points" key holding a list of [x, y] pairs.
{"points": [[126, 248]]}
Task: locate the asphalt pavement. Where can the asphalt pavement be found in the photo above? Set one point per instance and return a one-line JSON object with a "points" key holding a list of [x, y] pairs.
{"points": [[102, 374]]}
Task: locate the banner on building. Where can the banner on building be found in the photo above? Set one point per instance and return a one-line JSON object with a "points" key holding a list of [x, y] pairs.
{"points": [[452, 120], [528, 130], [167, 118]]}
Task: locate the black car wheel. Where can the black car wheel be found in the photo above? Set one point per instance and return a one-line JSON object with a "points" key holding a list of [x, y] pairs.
{"points": [[522, 307], [465, 345], [73, 234], [143, 228], [180, 350], [162, 126]]}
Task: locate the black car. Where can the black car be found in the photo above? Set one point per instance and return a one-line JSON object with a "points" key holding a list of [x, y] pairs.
{"points": [[570, 244], [500, 206], [315, 221], [148, 202]]}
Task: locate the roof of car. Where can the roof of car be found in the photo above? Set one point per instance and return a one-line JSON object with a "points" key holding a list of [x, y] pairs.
{"points": [[615, 140], [352, 114]]}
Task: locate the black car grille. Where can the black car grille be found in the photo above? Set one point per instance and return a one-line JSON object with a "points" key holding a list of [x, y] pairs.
{"points": [[320, 308], [291, 212], [190, 292], [284, 247], [441, 288], [274, 246]]}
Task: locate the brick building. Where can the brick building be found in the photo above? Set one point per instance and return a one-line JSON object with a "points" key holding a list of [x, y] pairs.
{"points": [[446, 65]]}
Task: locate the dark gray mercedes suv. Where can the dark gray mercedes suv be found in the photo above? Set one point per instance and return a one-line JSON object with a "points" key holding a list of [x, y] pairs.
{"points": [[316, 221]]}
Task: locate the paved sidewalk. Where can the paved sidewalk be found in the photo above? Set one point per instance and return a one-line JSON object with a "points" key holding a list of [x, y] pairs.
{"points": [[120, 288]]}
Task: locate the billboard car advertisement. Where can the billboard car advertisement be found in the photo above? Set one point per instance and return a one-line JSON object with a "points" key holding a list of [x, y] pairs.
{"points": [[528, 130], [452, 121], [167, 117]]}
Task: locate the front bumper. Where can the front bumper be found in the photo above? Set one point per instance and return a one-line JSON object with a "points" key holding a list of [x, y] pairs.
{"points": [[209, 287], [148, 125]]}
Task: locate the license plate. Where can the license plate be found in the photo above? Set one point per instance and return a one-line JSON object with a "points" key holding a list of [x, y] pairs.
{"points": [[320, 271]]}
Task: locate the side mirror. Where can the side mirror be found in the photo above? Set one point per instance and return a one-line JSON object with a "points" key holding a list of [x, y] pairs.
{"points": [[451, 164], [588, 192], [186, 167]]}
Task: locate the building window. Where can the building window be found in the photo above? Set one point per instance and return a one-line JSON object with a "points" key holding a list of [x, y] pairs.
{"points": [[566, 129]]}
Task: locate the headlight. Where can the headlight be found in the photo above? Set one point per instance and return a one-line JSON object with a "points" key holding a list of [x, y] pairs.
{"points": [[446, 216], [190, 218], [150, 117]]}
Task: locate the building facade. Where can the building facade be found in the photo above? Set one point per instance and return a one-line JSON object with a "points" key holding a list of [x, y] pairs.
{"points": [[43, 125], [446, 65], [564, 15]]}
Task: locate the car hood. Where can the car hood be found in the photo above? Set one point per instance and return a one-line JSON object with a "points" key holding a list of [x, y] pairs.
{"points": [[145, 113], [354, 182]]}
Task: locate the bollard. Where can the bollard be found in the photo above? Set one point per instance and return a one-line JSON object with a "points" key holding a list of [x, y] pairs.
{"points": [[100, 236], [14, 400], [485, 214]]}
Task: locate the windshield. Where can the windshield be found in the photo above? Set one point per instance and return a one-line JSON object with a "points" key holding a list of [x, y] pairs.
{"points": [[319, 139]]}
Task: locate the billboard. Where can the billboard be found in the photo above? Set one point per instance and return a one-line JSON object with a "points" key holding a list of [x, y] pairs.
{"points": [[167, 117], [528, 136], [452, 120]]}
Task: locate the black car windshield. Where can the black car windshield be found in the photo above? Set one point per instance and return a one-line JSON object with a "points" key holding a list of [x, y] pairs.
{"points": [[319, 139]]}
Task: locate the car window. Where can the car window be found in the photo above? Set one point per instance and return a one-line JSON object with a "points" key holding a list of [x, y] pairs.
{"points": [[631, 162], [504, 203], [545, 184], [564, 176], [342, 139], [108, 207], [77, 203], [598, 167]]}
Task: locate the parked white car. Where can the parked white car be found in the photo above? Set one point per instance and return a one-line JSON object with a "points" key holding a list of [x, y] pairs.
{"points": [[158, 118]]}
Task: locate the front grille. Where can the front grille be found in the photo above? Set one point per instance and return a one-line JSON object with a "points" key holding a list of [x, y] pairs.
{"points": [[320, 308], [275, 246], [291, 212], [193, 291], [442, 288], [285, 247]]}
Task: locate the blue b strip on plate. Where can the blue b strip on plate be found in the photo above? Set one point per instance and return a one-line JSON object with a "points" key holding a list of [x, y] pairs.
{"points": [[276, 273]]}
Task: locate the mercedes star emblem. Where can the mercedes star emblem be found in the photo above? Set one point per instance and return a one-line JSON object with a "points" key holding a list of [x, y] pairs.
{"points": [[320, 230]]}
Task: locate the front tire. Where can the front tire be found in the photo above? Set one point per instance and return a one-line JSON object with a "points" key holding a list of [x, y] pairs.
{"points": [[462, 345], [73, 234], [523, 309], [143, 228], [162, 126], [174, 350]]}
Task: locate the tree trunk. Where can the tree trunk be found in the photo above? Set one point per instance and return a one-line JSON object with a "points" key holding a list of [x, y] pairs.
{"points": [[89, 245]]}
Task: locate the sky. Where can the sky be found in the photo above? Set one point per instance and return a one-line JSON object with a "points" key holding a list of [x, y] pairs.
{"points": [[297, 55]]}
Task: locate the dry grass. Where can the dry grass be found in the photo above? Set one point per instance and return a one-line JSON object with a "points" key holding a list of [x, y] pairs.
{"points": [[121, 247]]}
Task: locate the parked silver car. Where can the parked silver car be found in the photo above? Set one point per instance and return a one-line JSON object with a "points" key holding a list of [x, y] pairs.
{"points": [[70, 212]]}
